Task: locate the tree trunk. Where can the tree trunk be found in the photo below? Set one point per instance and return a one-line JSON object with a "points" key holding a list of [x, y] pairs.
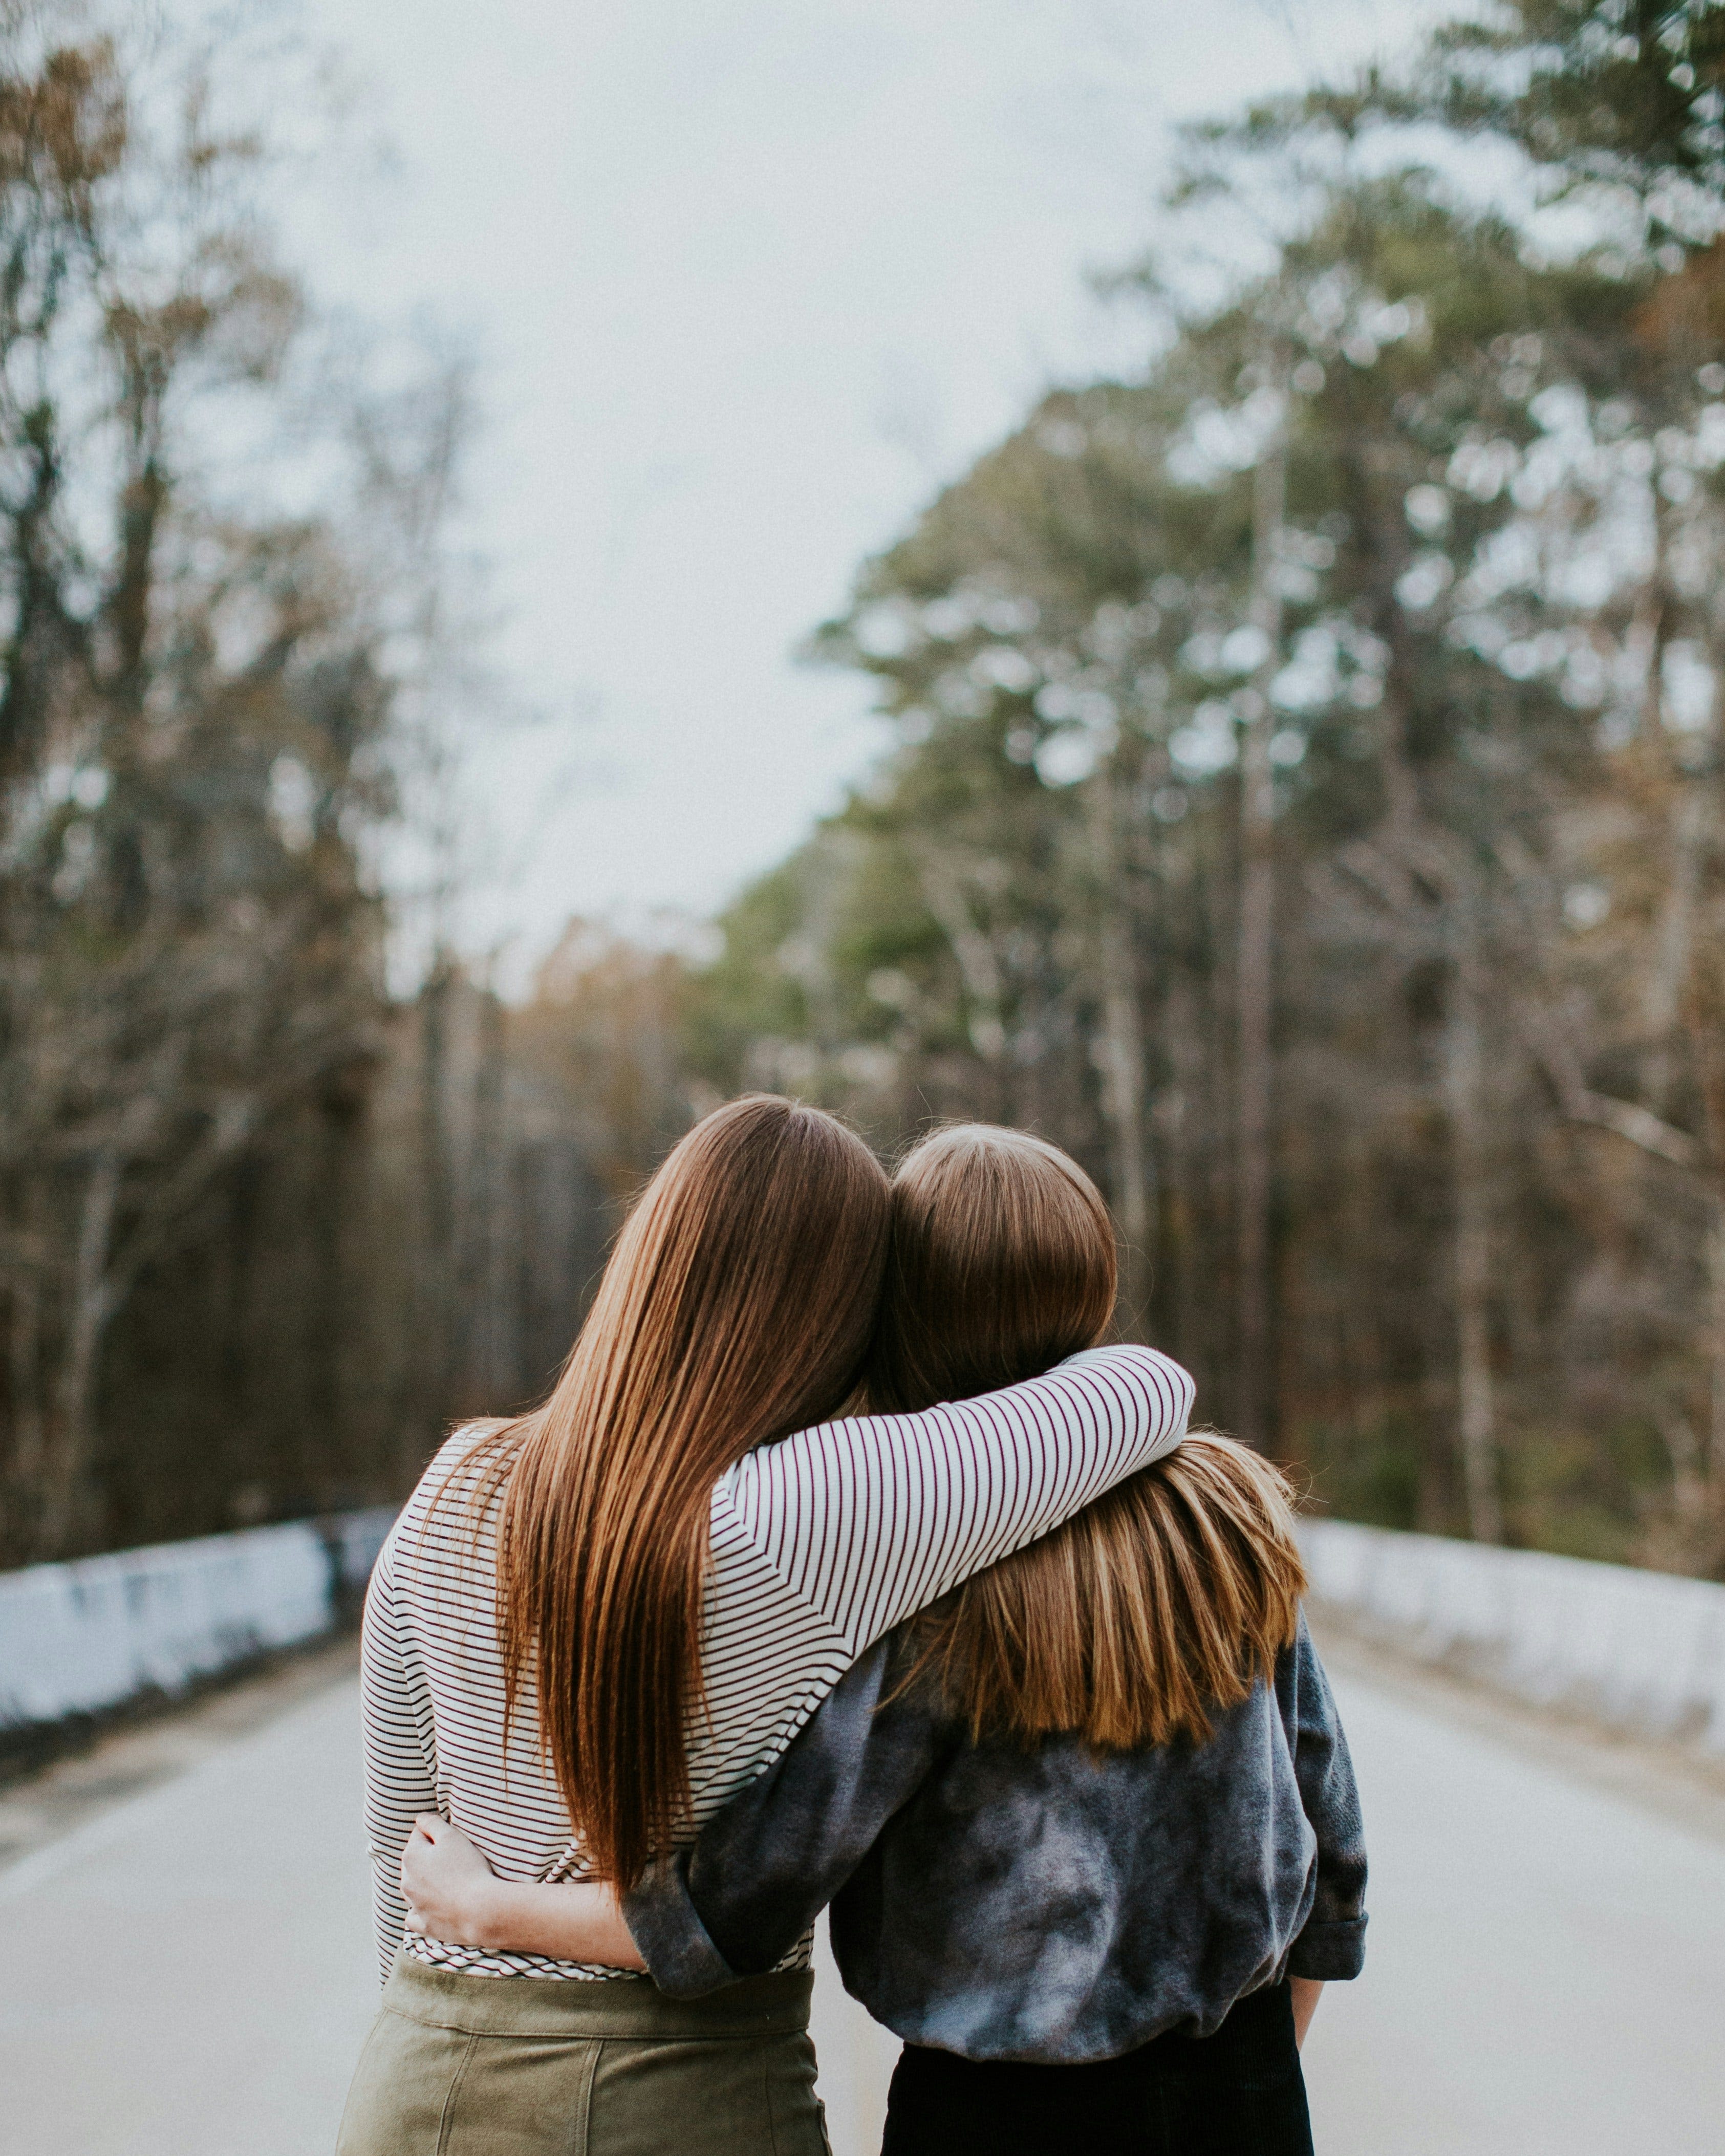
{"points": [[1465, 1094], [1123, 1055], [1673, 954], [1255, 963], [92, 1307], [1716, 1343], [489, 1378], [978, 968], [1187, 1197], [29, 1422], [438, 1257]]}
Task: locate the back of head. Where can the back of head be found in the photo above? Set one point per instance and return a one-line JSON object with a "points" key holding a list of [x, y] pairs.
{"points": [[1165, 1599], [1001, 1263], [736, 1306]]}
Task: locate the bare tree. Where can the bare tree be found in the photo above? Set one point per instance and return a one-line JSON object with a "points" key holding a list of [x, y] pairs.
{"points": [[1255, 962]]}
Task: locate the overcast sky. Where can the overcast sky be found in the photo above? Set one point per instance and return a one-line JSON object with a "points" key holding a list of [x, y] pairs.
{"points": [[744, 283]]}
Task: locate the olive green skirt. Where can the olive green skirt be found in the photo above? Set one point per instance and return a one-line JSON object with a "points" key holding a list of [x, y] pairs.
{"points": [[516, 2065]]}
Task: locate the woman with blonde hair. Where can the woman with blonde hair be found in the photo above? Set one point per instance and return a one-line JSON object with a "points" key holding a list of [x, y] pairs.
{"points": [[1087, 1824], [593, 1624]]}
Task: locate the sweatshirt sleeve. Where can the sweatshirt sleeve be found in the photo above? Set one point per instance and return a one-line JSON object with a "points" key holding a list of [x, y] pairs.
{"points": [[400, 1752], [765, 1867], [870, 1520], [1332, 1944]]}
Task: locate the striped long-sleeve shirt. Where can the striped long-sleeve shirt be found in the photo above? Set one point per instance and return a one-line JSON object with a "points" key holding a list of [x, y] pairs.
{"points": [[820, 1545]]}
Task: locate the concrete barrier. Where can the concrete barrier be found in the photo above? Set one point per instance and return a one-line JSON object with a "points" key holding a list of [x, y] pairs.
{"points": [[1644, 1651], [78, 1638]]}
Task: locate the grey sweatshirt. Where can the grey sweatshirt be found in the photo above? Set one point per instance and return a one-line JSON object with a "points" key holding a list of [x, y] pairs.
{"points": [[1055, 1905]]}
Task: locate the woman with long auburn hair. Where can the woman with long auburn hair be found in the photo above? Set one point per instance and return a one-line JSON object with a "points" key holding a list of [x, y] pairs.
{"points": [[593, 1624], [1087, 1823]]}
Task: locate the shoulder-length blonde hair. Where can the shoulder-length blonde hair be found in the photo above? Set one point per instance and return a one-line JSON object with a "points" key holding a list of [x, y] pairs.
{"points": [[736, 1307], [1163, 1600]]}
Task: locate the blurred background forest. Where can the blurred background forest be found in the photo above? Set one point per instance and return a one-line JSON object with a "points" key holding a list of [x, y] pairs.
{"points": [[1306, 805]]}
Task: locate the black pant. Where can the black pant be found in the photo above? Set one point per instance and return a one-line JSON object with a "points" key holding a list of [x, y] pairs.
{"points": [[1239, 2092]]}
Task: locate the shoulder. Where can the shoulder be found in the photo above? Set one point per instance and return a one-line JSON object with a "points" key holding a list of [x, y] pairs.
{"points": [[451, 1497], [1127, 1364], [458, 1463]]}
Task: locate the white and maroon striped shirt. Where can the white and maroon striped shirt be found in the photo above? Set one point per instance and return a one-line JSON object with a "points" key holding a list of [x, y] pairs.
{"points": [[820, 1544]]}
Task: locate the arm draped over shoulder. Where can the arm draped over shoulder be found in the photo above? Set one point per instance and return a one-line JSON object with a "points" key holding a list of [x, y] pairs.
{"points": [[821, 1544], [870, 1520]]}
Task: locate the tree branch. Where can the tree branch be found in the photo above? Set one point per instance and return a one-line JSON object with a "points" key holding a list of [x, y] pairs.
{"points": [[1638, 1126]]}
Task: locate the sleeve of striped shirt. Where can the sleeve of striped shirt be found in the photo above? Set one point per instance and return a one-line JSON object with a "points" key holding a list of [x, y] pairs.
{"points": [[400, 1754], [870, 1520]]}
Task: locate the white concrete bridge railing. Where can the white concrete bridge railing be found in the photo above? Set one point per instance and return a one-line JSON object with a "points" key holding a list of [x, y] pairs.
{"points": [[78, 1638], [1644, 1651]]}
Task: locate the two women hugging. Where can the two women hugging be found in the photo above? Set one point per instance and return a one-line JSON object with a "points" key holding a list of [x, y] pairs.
{"points": [[843, 1567]]}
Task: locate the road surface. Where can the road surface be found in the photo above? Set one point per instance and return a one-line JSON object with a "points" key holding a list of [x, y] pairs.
{"points": [[187, 1972]]}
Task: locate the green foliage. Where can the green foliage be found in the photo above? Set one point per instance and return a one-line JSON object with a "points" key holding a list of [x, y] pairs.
{"points": [[1630, 92], [1428, 522]]}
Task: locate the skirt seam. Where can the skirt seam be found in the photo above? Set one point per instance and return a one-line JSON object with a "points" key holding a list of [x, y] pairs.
{"points": [[766, 2097], [581, 2140], [446, 2123]]}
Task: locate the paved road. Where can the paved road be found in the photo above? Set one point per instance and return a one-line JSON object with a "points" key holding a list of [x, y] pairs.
{"points": [[189, 1974], [1546, 1962]]}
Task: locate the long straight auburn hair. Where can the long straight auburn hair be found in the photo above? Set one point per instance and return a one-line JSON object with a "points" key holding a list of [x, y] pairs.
{"points": [[736, 1307], [1161, 1601]]}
